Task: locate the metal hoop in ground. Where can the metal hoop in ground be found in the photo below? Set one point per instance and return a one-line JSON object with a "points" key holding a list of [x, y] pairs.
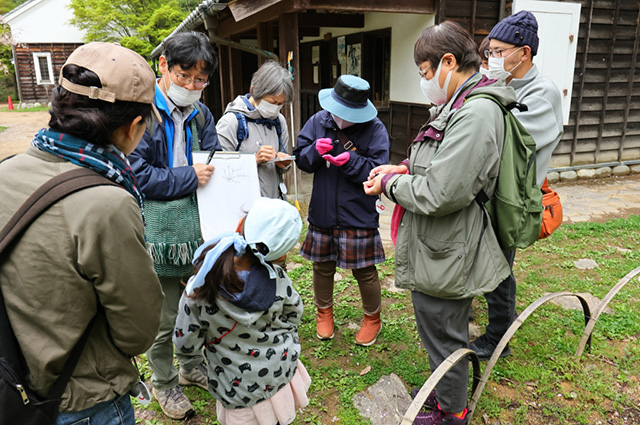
{"points": [[509, 334], [436, 376], [588, 330]]}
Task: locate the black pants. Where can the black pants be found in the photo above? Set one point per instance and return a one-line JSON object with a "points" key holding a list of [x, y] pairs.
{"points": [[502, 303], [443, 326]]}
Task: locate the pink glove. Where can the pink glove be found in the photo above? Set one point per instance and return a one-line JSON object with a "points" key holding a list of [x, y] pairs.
{"points": [[324, 145], [339, 160]]}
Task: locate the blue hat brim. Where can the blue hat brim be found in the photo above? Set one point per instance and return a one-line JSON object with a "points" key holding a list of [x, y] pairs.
{"points": [[354, 115]]}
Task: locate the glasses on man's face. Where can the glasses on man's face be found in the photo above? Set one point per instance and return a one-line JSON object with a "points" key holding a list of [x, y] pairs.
{"points": [[424, 72], [497, 53], [186, 80]]}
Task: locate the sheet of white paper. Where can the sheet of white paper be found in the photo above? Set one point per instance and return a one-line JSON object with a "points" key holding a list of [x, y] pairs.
{"points": [[229, 194]]}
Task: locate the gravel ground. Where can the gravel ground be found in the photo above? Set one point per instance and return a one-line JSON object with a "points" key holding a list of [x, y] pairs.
{"points": [[21, 127]]}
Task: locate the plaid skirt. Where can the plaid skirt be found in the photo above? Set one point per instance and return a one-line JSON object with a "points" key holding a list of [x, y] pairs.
{"points": [[349, 248]]}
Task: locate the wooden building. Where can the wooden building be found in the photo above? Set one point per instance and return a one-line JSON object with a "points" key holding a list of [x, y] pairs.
{"points": [[44, 39], [590, 50]]}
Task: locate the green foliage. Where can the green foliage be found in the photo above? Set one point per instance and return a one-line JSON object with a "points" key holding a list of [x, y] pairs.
{"points": [[8, 5], [136, 24]]}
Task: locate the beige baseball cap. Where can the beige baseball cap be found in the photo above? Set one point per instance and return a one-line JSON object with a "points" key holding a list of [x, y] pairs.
{"points": [[123, 73]]}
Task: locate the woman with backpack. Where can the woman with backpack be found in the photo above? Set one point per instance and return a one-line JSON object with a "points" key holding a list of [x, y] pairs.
{"points": [[446, 251], [85, 258], [252, 123]]}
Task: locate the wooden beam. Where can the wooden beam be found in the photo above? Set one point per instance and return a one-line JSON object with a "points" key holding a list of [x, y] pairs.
{"points": [[397, 6], [441, 14], [632, 70], [309, 32], [583, 70], [338, 20], [249, 15], [224, 59], [242, 9], [288, 42], [264, 42], [605, 98]]}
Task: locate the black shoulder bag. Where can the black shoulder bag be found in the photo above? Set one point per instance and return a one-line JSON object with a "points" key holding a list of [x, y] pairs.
{"points": [[18, 404]]}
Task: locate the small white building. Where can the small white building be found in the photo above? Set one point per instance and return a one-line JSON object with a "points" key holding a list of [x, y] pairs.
{"points": [[44, 39]]}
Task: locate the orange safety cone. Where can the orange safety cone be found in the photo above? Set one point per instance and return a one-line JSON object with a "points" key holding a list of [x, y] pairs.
{"points": [[10, 104]]}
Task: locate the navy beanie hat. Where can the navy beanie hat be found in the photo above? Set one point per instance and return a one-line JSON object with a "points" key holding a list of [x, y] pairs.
{"points": [[520, 29]]}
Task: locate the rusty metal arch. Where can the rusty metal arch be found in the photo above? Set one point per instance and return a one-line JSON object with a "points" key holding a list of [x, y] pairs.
{"points": [[588, 330], [511, 331], [436, 376]]}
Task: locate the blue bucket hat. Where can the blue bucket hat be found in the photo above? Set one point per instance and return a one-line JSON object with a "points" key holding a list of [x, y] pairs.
{"points": [[349, 100]]}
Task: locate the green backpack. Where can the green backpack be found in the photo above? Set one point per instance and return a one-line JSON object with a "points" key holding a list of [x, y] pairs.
{"points": [[516, 207]]}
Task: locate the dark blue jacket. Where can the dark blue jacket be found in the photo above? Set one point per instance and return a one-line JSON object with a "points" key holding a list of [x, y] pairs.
{"points": [[151, 160], [338, 199]]}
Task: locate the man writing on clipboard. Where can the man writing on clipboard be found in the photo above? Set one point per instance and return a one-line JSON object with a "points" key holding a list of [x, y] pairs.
{"points": [[168, 178]]}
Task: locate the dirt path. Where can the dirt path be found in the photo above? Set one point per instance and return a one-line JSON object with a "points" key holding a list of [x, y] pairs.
{"points": [[21, 128]]}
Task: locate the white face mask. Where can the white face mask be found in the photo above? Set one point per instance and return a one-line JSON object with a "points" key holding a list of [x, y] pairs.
{"points": [[342, 124], [496, 67], [432, 90], [182, 97], [268, 110], [484, 71]]}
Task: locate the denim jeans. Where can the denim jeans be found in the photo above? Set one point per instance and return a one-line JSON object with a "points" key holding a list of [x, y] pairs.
{"points": [[118, 411]]}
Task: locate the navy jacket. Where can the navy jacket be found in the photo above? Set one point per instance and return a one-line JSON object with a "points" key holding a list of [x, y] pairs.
{"points": [[338, 199], [150, 160]]}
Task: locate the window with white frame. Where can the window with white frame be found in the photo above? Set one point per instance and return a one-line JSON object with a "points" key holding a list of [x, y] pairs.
{"points": [[44, 70]]}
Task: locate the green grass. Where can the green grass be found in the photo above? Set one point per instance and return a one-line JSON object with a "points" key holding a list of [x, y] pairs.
{"points": [[34, 109], [542, 382], [2, 128]]}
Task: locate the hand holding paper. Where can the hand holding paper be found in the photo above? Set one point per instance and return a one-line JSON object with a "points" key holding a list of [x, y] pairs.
{"points": [[283, 160]]}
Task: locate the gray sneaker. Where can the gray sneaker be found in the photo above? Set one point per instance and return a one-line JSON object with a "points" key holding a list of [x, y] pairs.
{"points": [[195, 377], [174, 403]]}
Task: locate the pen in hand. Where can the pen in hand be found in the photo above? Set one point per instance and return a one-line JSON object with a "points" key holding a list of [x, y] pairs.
{"points": [[210, 157]]}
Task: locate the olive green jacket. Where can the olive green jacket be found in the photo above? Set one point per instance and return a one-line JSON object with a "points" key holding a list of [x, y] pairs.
{"points": [[86, 249], [443, 248]]}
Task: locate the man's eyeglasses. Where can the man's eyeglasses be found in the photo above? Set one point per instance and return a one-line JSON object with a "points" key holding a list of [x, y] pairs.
{"points": [[186, 80], [497, 53], [423, 73]]}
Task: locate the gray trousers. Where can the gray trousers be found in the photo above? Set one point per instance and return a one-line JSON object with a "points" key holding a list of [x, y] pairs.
{"points": [[443, 326], [160, 354], [502, 303]]}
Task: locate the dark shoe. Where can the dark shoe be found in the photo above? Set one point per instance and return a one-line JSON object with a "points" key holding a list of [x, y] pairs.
{"points": [[430, 403], [438, 417], [484, 348]]}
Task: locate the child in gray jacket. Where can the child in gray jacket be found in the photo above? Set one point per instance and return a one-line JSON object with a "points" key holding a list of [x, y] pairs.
{"points": [[245, 312]]}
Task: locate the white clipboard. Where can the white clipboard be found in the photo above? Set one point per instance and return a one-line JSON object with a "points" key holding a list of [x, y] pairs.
{"points": [[229, 194]]}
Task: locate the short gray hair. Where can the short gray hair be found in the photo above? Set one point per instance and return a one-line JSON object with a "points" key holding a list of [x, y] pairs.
{"points": [[271, 79]]}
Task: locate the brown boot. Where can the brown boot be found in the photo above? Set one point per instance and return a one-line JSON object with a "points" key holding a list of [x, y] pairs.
{"points": [[371, 327], [325, 323]]}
